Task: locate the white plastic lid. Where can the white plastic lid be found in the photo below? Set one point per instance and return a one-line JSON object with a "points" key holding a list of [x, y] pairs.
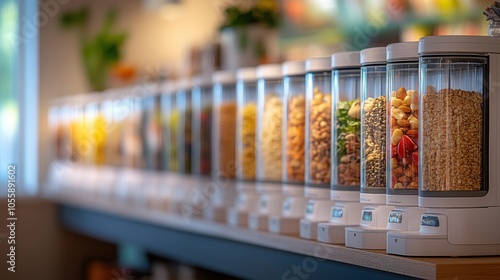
{"points": [[183, 83], [402, 51], [79, 99], [458, 44], [269, 71], [373, 56], [91, 98], [247, 74], [147, 89], [318, 64], [60, 101], [202, 80], [167, 86], [172, 86], [345, 60], [224, 77], [291, 68]]}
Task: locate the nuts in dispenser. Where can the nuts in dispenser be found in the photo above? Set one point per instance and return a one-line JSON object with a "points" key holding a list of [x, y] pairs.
{"points": [[320, 137], [453, 134], [404, 139], [295, 138]]}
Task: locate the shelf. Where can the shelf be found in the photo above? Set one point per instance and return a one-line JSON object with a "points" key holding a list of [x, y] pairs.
{"points": [[244, 253]]}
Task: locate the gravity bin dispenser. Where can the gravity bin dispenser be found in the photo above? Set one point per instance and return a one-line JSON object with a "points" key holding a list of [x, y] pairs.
{"points": [[458, 149]]}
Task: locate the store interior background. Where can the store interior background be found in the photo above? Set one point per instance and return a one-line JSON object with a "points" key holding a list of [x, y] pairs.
{"points": [[161, 40]]}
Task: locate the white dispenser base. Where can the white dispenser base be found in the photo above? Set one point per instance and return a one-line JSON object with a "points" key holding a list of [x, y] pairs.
{"points": [[222, 199], [129, 186], [343, 214], [269, 204], [215, 213], [372, 232], [451, 232], [159, 191], [182, 194], [317, 211], [246, 202], [288, 221]]}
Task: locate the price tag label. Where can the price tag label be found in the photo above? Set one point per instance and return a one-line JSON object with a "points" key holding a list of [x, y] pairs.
{"points": [[367, 216], [430, 221], [337, 212], [310, 207], [263, 202], [287, 205], [395, 218]]}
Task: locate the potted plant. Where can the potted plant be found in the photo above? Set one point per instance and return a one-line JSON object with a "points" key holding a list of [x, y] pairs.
{"points": [[249, 35], [99, 53]]}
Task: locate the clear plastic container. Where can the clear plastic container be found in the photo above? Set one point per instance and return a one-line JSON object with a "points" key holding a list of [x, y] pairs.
{"points": [[318, 125], [132, 145], [402, 118], [346, 133], [59, 130], [373, 123], [224, 124], [106, 110], [80, 146], [458, 132], [53, 123], [116, 109], [270, 123], [293, 137], [152, 130], [167, 90], [202, 124], [96, 130], [183, 107], [246, 123], [453, 104], [174, 128]]}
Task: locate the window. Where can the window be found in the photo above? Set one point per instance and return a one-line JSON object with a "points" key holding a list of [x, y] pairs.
{"points": [[18, 95]]}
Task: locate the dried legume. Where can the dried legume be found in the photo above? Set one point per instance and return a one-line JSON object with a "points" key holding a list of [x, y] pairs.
{"points": [[271, 142], [249, 117], [205, 140], [227, 137], [295, 139], [374, 133], [452, 122]]}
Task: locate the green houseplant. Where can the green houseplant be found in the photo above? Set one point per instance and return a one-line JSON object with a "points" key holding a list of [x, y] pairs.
{"points": [[249, 33], [98, 52]]}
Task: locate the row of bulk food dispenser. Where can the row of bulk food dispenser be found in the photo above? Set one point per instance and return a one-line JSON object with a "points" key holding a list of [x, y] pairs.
{"points": [[388, 148]]}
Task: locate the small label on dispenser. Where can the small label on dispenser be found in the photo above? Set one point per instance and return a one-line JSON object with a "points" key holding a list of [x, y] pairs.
{"points": [[337, 212], [395, 218], [367, 216], [430, 221], [310, 208], [263, 202], [287, 204], [242, 200]]}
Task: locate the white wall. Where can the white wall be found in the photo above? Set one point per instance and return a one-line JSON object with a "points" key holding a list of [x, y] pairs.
{"points": [[153, 42]]}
